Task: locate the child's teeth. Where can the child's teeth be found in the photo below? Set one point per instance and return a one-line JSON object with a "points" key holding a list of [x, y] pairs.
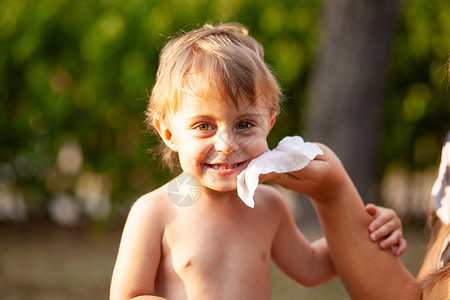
{"points": [[224, 166]]}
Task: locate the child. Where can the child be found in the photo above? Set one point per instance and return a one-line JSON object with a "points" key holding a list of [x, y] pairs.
{"points": [[213, 104]]}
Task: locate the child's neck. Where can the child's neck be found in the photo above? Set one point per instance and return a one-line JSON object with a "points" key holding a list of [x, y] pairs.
{"points": [[214, 197]]}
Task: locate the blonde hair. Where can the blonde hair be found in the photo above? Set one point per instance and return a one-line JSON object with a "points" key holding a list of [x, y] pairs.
{"points": [[429, 279], [210, 63], [435, 269]]}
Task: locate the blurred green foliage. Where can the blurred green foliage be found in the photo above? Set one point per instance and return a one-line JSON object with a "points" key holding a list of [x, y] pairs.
{"points": [[417, 111], [75, 77]]}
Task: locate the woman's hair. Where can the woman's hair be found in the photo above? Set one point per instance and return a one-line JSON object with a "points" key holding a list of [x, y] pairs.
{"points": [[436, 267], [434, 278], [210, 63], [437, 243]]}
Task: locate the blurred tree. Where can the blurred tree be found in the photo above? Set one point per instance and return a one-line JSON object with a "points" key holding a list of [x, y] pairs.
{"points": [[348, 83], [416, 116]]}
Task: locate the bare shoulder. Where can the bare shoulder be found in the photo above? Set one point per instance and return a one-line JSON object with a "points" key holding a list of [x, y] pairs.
{"points": [[270, 198], [151, 209], [154, 200], [268, 190], [140, 247]]}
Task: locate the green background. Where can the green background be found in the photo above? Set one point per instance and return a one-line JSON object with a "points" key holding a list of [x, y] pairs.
{"points": [[77, 73], [74, 79]]}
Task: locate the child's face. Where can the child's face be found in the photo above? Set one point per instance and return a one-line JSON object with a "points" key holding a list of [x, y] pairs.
{"points": [[215, 141]]}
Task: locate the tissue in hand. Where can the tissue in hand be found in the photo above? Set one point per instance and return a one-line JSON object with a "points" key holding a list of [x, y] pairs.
{"points": [[291, 154]]}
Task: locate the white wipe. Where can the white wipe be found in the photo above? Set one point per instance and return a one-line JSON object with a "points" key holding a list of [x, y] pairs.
{"points": [[291, 154], [441, 188]]}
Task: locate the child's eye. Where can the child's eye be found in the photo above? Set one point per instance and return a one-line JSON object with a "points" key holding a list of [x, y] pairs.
{"points": [[244, 125], [203, 127]]}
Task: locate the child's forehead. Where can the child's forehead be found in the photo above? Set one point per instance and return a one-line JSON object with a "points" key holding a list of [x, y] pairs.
{"points": [[225, 105]]}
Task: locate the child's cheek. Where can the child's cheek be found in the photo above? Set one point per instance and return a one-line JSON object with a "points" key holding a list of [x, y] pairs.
{"points": [[192, 152], [254, 146]]}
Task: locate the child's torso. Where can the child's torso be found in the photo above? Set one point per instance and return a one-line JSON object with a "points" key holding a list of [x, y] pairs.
{"points": [[220, 253]]}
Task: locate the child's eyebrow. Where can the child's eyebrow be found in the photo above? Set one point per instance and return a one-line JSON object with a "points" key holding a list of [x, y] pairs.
{"points": [[255, 115], [250, 115], [199, 117], [241, 116]]}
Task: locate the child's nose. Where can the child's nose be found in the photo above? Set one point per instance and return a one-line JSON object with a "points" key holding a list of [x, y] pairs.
{"points": [[225, 143]]}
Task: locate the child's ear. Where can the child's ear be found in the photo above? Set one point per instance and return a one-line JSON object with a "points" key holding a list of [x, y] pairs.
{"points": [[165, 133], [272, 119]]}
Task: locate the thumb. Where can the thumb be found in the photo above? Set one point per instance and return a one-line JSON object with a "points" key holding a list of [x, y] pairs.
{"points": [[272, 177], [371, 209]]}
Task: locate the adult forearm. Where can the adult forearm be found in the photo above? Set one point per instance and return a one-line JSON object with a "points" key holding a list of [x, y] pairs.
{"points": [[366, 271]]}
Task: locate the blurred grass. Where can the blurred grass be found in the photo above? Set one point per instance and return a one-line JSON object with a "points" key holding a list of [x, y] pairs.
{"points": [[43, 261]]}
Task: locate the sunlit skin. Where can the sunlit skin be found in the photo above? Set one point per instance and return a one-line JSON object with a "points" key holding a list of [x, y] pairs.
{"points": [[215, 140], [217, 248]]}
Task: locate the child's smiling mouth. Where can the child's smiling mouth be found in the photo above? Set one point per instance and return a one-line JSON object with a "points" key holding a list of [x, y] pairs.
{"points": [[224, 166]]}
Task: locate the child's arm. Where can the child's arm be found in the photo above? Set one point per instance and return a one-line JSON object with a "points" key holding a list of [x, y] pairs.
{"points": [[367, 272], [305, 263], [139, 253], [387, 227]]}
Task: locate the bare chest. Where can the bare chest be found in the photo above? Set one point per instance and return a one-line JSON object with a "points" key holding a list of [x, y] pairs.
{"points": [[209, 253], [217, 240]]}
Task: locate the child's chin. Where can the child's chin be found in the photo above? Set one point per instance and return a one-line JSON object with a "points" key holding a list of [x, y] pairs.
{"points": [[229, 189], [224, 187]]}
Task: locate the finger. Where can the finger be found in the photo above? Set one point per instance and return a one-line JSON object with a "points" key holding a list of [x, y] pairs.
{"points": [[384, 230], [381, 219], [401, 247], [287, 180], [392, 240], [371, 209], [269, 177], [275, 178]]}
